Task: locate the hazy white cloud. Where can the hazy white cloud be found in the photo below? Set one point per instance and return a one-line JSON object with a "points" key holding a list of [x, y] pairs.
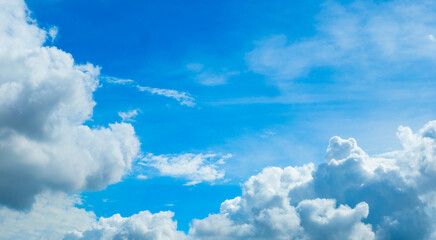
{"points": [[196, 168], [128, 116], [142, 177], [182, 97], [144, 225], [209, 77], [51, 217], [53, 33], [44, 100], [114, 80], [359, 35]]}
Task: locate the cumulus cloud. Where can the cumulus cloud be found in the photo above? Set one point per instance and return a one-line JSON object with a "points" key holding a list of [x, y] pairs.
{"points": [[196, 168], [52, 216], [350, 196], [143, 225], [45, 97], [361, 35], [182, 97], [390, 193]]}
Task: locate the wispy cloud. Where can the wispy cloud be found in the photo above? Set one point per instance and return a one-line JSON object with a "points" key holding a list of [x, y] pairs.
{"points": [[209, 77], [128, 116], [182, 97], [365, 41], [114, 80]]}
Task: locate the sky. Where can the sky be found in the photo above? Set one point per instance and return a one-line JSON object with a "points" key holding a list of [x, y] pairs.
{"points": [[203, 120]]}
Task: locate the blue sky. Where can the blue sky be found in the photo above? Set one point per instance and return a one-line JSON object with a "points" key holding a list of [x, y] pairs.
{"points": [[217, 91]]}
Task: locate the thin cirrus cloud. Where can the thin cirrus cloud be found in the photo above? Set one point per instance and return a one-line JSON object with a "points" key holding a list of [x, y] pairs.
{"points": [[366, 42], [45, 98], [182, 97], [208, 77], [350, 196], [195, 168]]}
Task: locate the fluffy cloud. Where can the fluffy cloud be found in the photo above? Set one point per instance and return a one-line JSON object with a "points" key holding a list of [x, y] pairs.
{"points": [[362, 35], [264, 212], [52, 216], [143, 225], [196, 168], [391, 193], [45, 99], [350, 196]]}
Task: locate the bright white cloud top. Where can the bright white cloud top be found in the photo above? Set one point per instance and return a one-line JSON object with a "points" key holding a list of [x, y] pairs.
{"points": [[196, 168], [45, 99]]}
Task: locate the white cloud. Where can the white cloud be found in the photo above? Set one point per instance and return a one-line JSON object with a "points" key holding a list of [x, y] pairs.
{"points": [[350, 196], [128, 116], [142, 177], [182, 97], [53, 33], [322, 220], [392, 194], [143, 225], [114, 80], [44, 100], [196, 168], [51, 217], [359, 35]]}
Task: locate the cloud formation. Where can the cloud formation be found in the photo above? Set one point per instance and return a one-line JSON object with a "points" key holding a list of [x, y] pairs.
{"points": [[52, 216], [196, 168], [143, 225], [350, 196], [380, 197], [360, 35], [45, 99]]}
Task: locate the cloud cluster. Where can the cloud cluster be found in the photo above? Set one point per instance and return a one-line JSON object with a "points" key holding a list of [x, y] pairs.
{"points": [[361, 34], [52, 216], [45, 99], [350, 196], [143, 225], [390, 196], [196, 168]]}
